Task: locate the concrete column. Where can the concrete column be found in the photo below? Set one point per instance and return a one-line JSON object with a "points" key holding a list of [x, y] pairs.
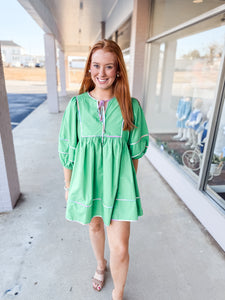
{"points": [[139, 34], [67, 72], [62, 72], [9, 182], [51, 73]]}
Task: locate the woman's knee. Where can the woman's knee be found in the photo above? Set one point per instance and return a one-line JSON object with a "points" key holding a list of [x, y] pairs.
{"points": [[119, 250], [96, 225]]}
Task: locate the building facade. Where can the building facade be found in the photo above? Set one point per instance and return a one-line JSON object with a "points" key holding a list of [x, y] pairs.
{"points": [[14, 55], [184, 104], [183, 100], [11, 53]]}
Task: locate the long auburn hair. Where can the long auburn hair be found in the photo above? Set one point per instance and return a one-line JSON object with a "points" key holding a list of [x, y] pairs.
{"points": [[120, 85]]}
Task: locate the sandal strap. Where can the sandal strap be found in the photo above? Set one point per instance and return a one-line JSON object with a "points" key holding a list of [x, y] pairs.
{"points": [[100, 272], [99, 282]]}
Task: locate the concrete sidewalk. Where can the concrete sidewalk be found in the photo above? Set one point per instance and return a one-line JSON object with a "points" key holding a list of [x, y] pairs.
{"points": [[45, 257]]}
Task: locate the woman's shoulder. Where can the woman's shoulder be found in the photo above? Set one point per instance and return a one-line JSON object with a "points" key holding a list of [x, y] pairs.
{"points": [[82, 96], [74, 100], [135, 104], [72, 103], [137, 109]]}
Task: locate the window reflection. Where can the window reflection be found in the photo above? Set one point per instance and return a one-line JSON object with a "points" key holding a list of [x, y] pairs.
{"points": [[182, 95], [216, 178]]}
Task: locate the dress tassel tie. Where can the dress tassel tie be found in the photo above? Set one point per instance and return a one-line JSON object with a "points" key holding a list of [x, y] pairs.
{"points": [[101, 111]]}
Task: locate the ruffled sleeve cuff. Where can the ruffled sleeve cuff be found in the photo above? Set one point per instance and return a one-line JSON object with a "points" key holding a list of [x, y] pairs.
{"points": [[68, 135], [139, 136], [66, 154], [138, 148]]}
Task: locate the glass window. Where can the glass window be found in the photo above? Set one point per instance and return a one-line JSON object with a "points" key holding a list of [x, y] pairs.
{"points": [[170, 13], [216, 179], [180, 92]]}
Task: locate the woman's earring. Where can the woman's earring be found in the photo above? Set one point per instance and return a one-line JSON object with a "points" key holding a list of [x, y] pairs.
{"points": [[89, 71], [118, 74]]}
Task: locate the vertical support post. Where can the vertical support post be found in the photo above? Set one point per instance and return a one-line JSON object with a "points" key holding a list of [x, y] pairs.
{"points": [[116, 36], [103, 30], [139, 34], [51, 73], [67, 72], [9, 181], [62, 72]]}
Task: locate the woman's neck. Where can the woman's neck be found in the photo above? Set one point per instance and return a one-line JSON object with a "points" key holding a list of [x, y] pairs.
{"points": [[102, 94]]}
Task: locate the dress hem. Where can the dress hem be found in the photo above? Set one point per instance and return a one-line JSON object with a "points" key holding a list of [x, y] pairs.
{"points": [[75, 221]]}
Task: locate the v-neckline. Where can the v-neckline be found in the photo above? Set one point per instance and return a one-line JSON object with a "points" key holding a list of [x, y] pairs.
{"points": [[97, 102]]}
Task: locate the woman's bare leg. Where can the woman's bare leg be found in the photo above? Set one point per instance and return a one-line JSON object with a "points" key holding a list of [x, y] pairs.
{"points": [[118, 236], [97, 237]]}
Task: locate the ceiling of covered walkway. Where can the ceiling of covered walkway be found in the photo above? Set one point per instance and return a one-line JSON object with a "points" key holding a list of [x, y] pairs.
{"points": [[75, 24]]}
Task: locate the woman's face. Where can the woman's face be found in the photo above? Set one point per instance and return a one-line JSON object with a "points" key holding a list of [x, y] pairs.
{"points": [[103, 69]]}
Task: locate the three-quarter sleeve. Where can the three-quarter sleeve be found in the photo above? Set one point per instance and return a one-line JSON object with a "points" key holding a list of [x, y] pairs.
{"points": [[68, 137], [139, 137]]}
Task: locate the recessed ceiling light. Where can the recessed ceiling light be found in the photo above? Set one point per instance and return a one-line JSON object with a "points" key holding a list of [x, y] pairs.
{"points": [[197, 1]]}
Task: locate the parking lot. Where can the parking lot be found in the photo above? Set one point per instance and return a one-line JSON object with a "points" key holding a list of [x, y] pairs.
{"points": [[21, 105], [23, 98]]}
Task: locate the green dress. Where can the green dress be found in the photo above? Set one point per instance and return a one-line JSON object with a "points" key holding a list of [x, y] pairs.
{"points": [[93, 144]]}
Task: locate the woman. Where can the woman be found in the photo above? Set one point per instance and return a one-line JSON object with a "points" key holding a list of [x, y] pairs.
{"points": [[102, 136]]}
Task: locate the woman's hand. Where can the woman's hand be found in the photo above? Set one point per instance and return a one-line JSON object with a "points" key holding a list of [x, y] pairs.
{"points": [[66, 195], [135, 162], [67, 178]]}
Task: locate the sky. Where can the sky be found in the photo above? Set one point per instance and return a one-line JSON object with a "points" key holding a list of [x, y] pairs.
{"points": [[201, 41], [17, 25]]}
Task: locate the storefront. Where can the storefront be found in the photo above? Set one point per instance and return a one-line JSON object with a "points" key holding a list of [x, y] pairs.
{"points": [[184, 104]]}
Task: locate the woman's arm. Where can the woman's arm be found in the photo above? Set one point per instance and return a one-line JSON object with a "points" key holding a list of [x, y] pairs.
{"points": [[67, 177], [135, 162]]}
